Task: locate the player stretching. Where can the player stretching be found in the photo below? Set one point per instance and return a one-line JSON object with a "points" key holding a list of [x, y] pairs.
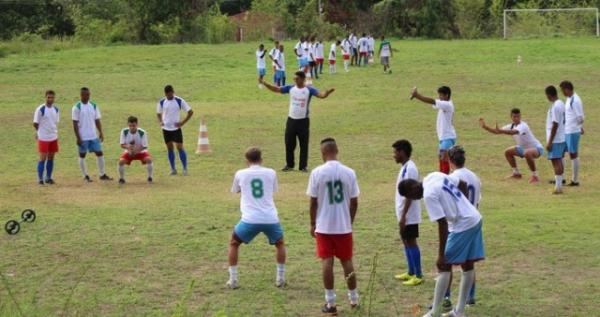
{"points": [[385, 53], [527, 146], [168, 113], [408, 213], [445, 122], [333, 56], [45, 121], [86, 119], [460, 233], [135, 142], [573, 127], [333, 192], [555, 136], [256, 185], [260, 64]]}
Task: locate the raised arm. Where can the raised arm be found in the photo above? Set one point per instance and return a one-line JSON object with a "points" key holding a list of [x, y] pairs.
{"points": [[415, 94], [272, 88], [323, 95]]}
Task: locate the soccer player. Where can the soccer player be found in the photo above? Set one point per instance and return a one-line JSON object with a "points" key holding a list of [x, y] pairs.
{"points": [[573, 127], [333, 57], [333, 192], [260, 63], [527, 147], [320, 55], [272, 56], [299, 52], [280, 67], [408, 213], [354, 49], [363, 50], [312, 60], [168, 111], [86, 119], [346, 51], [134, 141], [460, 233], [257, 185], [371, 46], [45, 122], [385, 53], [555, 136], [445, 122], [298, 122]]}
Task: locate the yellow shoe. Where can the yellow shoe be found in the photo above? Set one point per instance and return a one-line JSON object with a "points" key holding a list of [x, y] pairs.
{"points": [[413, 281], [403, 277]]}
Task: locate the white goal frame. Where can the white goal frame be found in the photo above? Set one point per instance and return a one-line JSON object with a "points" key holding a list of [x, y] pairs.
{"points": [[505, 28]]}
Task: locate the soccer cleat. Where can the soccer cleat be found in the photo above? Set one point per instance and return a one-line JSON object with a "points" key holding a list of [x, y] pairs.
{"points": [[447, 304], [514, 176], [173, 172], [304, 170], [121, 181], [233, 284], [41, 182], [280, 282], [557, 191], [87, 179], [414, 281], [50, 181], [554, 182], [149, 179], [185, 172], [403, 276], [452, 313], [287, 169], [534, 179], [573, 184], [471, 302], [105, 178], [329, 310]]}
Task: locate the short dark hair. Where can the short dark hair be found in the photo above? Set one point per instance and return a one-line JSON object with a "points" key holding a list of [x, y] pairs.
{"points": [[301, 74], [565, 84], [50, 92], [84, 89], [253, 155], [515, 111], [132, 119], [327, 140], [406, 185], [404, 146], [456, 154], [551, 91], [169, 88], [445, 90]]}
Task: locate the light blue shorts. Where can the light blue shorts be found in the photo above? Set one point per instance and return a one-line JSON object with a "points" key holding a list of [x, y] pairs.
{"points": [[303, 62], [573, 142], [248, 231], [446, 144], [521, 150], [279, 75], [465, 246], [558, 151], [90, 146], [262, 71]]}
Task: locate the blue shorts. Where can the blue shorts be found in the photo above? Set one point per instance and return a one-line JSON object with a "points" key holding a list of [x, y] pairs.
{"points": [[446, 144], [262, 71], [521, 150], [465, 246], [573, 142], [558, 151], [279, 75], [247, 231], [90, 146], [303, 62]]}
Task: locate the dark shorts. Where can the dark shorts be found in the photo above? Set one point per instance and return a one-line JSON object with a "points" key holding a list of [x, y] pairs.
{"points": [[410, 232], [173, 136], [312, 63]]}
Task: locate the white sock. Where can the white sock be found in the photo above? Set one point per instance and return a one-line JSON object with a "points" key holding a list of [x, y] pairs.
{"points": [[121, 171], [516, 171], [233, 273], [100, 162], [558, 181], [466, 282], [281, 271], [150, 169], [534, 173], [353, 296], [441, 285], [82, 166], [575, 165], [330, 297]]}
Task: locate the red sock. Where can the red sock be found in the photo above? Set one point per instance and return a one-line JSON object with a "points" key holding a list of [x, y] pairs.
{"points": [[444, 167]]}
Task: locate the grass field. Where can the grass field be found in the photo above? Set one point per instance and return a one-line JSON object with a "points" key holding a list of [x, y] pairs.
{"points": [[160, 250]]}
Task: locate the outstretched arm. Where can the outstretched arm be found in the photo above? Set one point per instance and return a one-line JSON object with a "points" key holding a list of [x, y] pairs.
{"points": [[415, 94], [272, 88], [325, 94], [496, 130]]}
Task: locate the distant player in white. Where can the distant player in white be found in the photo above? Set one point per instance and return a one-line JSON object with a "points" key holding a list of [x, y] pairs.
{"points": [[273, 52], [460, 233], [333, 192], [573, 127], [257, 185], [279, 61], [408, 214], [444, 124], [86, 119], [527, 145], [354, 49], [261, 64], [385, 53], [555, 136], [45, 123], [363, 50], [320, 55], [346, 53], [299, 52], [134, 141], [333, 57], [371, 46]]}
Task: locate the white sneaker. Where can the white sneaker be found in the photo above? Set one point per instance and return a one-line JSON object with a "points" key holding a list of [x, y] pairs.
{"points": [[185, 172], [173, 172], [280, 282], [452, 313], [233, 284], [260, 86]]}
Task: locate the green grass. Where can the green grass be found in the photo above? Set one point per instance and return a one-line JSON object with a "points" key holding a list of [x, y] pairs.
{"points": [[160, 250]]}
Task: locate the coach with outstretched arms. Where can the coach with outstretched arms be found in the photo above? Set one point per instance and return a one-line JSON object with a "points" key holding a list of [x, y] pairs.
{"points": [[298, 122]]}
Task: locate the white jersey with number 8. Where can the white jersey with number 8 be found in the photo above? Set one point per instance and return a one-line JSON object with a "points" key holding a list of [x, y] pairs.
{"points": [[257, 185]]}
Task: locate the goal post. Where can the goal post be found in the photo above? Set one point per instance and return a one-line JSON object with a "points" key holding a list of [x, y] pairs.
{"points": [[550, 21]]}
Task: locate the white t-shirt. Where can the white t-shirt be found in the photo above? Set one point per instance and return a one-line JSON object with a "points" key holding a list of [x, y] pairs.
{"points": [[332, 49], [273, 53], [473, 184], [170, 110], [311, 52], [525, 137], [573, 110], [306, 50], [385, 49], [298, 50], [280, 58], [333, 184], [363, 45], [413, 216], [444, 199], [354, 41], [445, 119], [47, 119], [319, 50], [346, 46], [86, 115], [299, 100], [139, 139], [371, 44], [556, 113], [260, 59], [257, 185]]}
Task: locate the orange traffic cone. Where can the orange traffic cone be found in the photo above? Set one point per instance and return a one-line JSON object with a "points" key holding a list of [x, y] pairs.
{"points": [[203, 143]]}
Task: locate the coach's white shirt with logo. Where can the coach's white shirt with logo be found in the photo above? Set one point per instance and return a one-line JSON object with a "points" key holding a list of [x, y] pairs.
{"points": [[47, 120], [86, 115], [413, 216], [524, 137], [333, 184], [556, 113], [573, 110], [299, 100], [170, 110], [256, 185], [445, 119], [473, 184], [443, 199]]}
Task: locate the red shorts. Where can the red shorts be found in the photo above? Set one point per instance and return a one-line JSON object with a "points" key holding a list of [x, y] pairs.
{"points": [[319, 60], [332, 62], [338, 245], [142, 156], [48, 146], [364, 53], [346, 57]]}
